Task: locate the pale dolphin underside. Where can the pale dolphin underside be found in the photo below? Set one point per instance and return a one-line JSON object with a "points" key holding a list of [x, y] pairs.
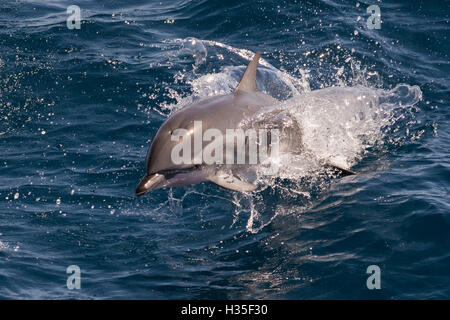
{"points": [[229, 111]]}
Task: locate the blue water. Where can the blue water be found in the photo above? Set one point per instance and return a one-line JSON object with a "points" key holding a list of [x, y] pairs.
{"points": [[78, 110]]}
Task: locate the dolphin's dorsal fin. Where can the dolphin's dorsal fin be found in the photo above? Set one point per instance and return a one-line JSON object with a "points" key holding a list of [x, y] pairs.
{"points": [[248, 81]]}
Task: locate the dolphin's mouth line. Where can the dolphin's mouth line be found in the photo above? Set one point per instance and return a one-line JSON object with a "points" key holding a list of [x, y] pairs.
{"points": [[169, 174]]}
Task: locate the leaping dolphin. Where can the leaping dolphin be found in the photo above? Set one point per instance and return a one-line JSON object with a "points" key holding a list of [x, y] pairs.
{"points": [[229, 111]]}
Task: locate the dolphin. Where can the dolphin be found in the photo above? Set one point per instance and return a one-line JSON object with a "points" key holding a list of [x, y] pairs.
{"points": [[239, 109]]}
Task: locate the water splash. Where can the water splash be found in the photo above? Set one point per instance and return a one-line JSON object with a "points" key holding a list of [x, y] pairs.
{"points": [[341, 124]]}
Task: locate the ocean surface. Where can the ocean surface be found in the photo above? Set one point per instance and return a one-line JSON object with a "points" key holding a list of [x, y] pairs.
{"points": [[79, 108]]}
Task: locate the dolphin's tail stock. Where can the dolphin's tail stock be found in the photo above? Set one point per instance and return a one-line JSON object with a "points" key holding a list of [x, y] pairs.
{"points": [[343, 171]]}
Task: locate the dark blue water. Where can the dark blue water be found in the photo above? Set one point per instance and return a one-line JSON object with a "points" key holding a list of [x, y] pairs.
{"points": [[78, 110]]}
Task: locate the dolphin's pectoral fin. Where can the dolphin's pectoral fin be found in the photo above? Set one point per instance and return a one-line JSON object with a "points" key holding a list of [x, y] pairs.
{"points": [[248, 81], [344, 171], [229, 181]]}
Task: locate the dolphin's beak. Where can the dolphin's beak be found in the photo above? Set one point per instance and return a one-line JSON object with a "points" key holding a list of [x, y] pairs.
{"points": [[149, 183]]}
